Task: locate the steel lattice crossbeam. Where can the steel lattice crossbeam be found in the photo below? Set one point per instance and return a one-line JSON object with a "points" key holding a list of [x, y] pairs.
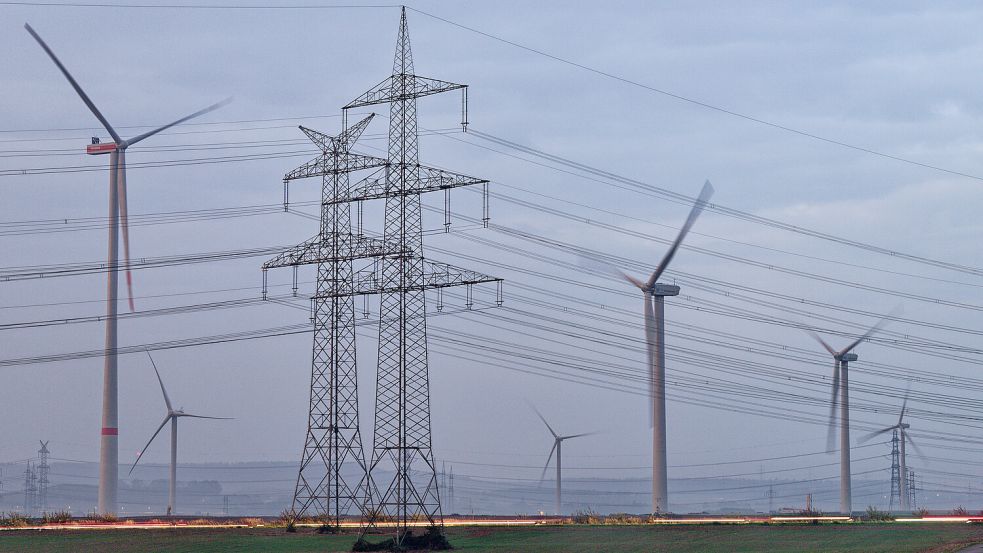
{"points": [[374, 186], [435, 275], [327, 164], [400, 87], [322, 249]]}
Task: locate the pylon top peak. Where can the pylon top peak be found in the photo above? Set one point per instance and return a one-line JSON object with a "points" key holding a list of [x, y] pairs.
{"points": [[403, 61]]}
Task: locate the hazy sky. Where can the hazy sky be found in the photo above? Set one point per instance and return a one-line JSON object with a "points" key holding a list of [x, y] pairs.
{"points": [[898, 78]]}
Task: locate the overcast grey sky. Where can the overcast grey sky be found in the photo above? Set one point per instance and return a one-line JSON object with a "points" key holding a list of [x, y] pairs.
{"points": [[896, 77]]}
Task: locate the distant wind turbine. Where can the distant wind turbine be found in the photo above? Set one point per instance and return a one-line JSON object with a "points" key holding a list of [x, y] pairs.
{"points": [[109, 448], [654, 294], [557, 447], [841, 397], [172, 417], [902, 428]]}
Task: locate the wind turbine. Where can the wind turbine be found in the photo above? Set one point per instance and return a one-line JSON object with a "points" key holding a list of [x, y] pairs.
{"points": [[654, 294], [557, 447], [172, 417], [841, 396], [902, 428], [109, 449]]}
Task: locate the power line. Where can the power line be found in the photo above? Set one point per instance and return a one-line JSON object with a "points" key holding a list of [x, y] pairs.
{"points": [[637, 185], [696, 280], [700, 103], [209, 160], [185, 124], [243, 7]]}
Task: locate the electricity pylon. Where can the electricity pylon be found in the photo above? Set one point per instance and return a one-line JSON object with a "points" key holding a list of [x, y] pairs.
{"points": [[896, 484], [43, 468], [402, 473], [333, 478]]}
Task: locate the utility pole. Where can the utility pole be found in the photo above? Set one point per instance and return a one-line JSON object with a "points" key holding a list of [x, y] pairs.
{"points": [[771, 499], [402, 473]]}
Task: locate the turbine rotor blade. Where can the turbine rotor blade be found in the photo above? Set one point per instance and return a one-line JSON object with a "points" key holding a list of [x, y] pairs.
{"points": [[548, 459], [595, 264], [78, 89], [142, 451], [918, 450], [904, 405], [701, 202], [124, 222], [873, 435], [880, 324], [631, 279], [834, 402], [198, 113], [576, 435], [167, 400], [822, 342], [203, 417], [540, 415]]}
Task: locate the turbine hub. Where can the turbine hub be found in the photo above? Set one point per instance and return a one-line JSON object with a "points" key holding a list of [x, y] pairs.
{"points": [[660, 289]]}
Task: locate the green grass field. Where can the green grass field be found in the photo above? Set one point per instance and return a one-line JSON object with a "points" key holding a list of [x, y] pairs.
{"points": [[859, 538]]}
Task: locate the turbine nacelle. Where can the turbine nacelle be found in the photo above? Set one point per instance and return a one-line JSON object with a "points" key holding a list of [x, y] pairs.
{"points": [[848, 357], [99, 148], [659, 289]]}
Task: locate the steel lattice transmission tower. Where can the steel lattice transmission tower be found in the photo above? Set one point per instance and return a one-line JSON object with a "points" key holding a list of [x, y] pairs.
{"points": [[30, 488], [403, 475], [912, 503], [895, 474], [333, 478], [43, 468]]}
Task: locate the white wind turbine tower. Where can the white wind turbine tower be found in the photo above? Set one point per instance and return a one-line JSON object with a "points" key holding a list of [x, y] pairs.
{"points": [[109, 448], [654, 294], [841, 397], [172, 417], [557, 447], [902, 428]]}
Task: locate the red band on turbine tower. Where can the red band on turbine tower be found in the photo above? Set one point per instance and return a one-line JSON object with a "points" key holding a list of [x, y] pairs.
{"points": [[110, 431]]}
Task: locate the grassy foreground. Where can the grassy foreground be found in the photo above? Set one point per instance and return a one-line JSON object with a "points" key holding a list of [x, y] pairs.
{"points": [[865, 538]]}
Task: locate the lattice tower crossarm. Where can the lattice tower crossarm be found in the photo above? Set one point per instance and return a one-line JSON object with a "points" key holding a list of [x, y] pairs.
{"points": [[403, 474], [428, 179], [332, 481]]}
